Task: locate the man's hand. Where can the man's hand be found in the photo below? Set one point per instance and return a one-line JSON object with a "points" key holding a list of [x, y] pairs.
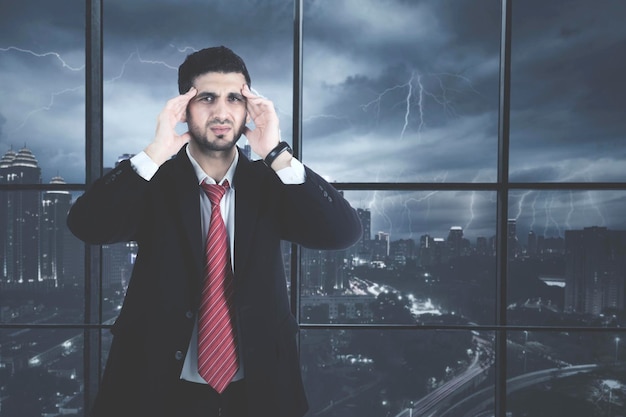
{"points": [[166, 141], [266, 133]]}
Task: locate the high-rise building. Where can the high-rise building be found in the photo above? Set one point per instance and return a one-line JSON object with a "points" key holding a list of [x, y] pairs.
{"points": [[513, 248], [54, 234], [482, 246], [531, 249], [595, 270], [380, 246], [363, 248], [19, 211], [456, 244]]}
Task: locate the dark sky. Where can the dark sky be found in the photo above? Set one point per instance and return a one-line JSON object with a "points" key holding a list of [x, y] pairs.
{"points": [[394, 91]]}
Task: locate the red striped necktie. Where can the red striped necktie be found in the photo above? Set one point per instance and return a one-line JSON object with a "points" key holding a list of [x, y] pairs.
{"points": [[217, 339]]}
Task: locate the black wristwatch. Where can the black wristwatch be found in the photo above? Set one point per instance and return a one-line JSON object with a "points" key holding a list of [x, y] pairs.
{"points": [[280, 148]]}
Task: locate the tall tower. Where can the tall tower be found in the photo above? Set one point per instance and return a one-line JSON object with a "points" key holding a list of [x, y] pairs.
{"points": [[512, 242], [457, 245], [364, 246], [20, 212], [595, 269], [54, 233], [532, 244]]}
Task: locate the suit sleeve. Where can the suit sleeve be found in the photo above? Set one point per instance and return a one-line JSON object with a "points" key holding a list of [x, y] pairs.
{"points": [[111, 209], [317, 216]]}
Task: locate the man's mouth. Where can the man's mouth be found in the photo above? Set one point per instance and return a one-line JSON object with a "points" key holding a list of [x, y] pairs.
{"points": [[220, 130]]}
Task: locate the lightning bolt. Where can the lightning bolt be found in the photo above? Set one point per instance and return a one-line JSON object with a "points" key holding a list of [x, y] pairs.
{"points": [[520, 204], [568, 216], [376, 103], [534, 211], [45, 108], [472, 198], [413, 99], [133, 55], [44, 55], [53, 95], [184, 49], [153, 62], [596, 207]]}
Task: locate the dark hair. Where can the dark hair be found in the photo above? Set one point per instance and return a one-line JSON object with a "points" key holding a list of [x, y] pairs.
{"points": [[214, 59]]}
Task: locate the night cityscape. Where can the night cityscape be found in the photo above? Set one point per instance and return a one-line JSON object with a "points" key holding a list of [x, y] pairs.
{"points": [[482, 143], [574, 280]]}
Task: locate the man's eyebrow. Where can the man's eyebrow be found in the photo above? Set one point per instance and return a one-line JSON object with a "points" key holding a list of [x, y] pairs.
{"points": [[205, 94], [237, 95]]}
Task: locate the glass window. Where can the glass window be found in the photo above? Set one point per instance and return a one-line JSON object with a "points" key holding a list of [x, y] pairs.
{"points": [[42, 88], [42, 268], [567, 91], [41, 372], [144, 45], [416, 263], [566, 253], [350, 373], [565, 373], [401, 91], [401, 106]]}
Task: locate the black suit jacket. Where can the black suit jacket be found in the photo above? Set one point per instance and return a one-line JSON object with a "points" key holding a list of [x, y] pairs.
{"points": [[152, 332]]}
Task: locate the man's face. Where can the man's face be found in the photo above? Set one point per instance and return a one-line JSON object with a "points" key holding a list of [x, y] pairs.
{"points": [[216, 116]]}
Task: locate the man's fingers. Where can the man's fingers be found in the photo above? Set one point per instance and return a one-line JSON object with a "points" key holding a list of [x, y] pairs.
{"points": [[177, 106]]}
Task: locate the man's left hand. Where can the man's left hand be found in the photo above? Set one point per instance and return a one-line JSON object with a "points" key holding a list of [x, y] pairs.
{"points": [[266, 133]]}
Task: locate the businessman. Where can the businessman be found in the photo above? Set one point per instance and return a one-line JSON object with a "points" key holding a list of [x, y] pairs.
{"points": [[206, 327]]}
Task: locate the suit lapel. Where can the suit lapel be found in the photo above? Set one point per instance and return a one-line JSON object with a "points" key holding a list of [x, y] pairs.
{"points": [[183, 187], [247, 182]]}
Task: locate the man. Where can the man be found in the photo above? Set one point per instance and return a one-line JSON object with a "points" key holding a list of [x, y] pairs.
{"points": [[157, 364]]}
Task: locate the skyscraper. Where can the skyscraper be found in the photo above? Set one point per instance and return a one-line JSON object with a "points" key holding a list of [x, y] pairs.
{"points": [[54, 234], [513, 248], [595, 269], [19, 211]]}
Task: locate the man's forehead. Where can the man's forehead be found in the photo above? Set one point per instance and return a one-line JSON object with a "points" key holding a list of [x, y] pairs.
{"points": [[219, 80]]}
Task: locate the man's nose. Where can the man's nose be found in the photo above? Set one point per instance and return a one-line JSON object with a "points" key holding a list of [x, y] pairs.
{"points": [[220, 109]]}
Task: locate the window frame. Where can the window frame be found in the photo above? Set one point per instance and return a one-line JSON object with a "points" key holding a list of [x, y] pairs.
{"points": [[93, 326]]}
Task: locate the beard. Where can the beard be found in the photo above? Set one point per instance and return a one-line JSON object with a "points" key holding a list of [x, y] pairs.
{"points": [[201, 137]]}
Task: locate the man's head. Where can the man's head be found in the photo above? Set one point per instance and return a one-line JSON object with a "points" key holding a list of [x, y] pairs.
{"points": [[216, 59]]}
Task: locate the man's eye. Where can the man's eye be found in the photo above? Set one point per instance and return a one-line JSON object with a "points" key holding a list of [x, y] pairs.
{"points": [[235, 98]]}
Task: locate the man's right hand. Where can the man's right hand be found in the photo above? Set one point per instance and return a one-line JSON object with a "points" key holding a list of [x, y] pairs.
{"points": [[166, 141]]}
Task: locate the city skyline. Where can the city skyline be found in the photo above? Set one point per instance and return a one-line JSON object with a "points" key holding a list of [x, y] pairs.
{"points": [[398, 94], [10, 155]]}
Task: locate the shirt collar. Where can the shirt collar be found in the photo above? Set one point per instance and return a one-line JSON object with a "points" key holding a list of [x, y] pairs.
{"points": [[203, 177]]}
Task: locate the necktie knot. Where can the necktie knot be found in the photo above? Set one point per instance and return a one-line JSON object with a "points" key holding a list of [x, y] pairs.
{"points": [[215, 192]]}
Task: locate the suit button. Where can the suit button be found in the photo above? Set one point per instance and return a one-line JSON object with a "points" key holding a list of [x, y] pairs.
{"points": [[178, 355], [189, 314]]}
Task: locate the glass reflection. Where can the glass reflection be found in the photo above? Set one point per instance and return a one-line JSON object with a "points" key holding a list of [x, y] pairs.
{"points": [[141, 58], [567, 252], [371, 373], [42, 87], [42, 272], [414, 263], [566, 373], [567, 98], [41, 372], [414, 98]]}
